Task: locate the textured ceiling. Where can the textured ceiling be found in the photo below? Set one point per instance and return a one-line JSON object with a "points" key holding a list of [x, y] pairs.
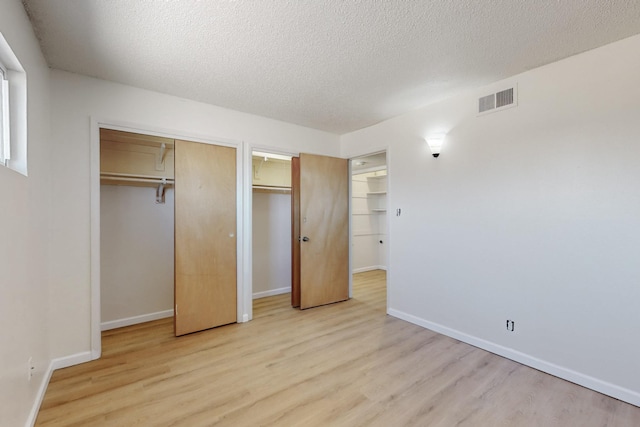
{"points": [[334, 65]]}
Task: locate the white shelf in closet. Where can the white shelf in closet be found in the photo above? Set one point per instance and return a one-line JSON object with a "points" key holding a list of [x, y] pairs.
{"points": [[369, 200]]}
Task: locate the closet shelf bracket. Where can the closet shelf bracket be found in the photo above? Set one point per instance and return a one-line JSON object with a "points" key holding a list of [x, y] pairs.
{"points": [[161, 156]]}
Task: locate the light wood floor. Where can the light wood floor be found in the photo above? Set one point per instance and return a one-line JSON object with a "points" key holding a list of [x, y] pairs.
{"points": [[346, 364]]}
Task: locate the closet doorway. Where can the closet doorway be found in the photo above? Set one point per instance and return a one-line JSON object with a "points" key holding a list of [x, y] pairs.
{"points": [[136, 228], [160, 255], [300, 229], [369, 216], [271, 213]]}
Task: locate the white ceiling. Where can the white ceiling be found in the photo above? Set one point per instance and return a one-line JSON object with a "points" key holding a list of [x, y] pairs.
{"points": [[334, 65]]}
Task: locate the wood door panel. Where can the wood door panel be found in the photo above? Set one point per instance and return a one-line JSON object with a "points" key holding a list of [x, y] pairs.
{"points": [[205, 236], [324, 220], [295, 231]]}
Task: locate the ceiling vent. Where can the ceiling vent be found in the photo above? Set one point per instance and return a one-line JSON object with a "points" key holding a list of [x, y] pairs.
{"points": [[498, 101]]}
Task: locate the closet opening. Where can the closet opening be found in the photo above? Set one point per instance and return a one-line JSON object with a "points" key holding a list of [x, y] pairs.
{"points": [[369, 224], [136, 228], [271, 235]]}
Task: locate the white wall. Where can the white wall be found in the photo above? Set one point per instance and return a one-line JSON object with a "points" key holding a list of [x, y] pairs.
{"points": [[75, 99], [136, 253], [271, 244], [530, 214], [24, 218]]}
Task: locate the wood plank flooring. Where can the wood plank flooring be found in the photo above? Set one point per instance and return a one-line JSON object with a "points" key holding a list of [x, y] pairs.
{"points": [[345, 364]]}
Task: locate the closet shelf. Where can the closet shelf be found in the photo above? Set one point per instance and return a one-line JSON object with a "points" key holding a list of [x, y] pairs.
{"points": [[271, 189], [378, 210], [376, 193]]}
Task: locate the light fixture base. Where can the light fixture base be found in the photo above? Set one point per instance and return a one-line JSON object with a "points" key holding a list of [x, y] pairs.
{"points": [[436, 155]]}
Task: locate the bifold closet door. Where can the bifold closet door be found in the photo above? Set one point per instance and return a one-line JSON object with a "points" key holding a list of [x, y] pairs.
{"points": [[205, 236], [324, 230]]}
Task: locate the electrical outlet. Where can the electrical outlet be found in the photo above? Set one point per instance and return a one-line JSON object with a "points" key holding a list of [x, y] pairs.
{"points": [[511, 325], [30, 368]]}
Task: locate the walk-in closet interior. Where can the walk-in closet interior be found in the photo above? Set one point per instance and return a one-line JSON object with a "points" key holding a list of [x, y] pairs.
{"points": [[369, 212]]}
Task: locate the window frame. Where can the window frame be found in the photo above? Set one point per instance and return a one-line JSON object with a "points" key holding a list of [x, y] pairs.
{"points": [[5, 118], [16, 115]]}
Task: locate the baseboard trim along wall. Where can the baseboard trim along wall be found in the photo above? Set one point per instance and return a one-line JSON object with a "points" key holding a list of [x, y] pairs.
{"points": [[31, 421], [128, 321], [59, 363], [271, 292], [587, 381]]}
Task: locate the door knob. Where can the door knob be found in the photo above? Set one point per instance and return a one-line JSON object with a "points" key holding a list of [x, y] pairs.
{"points": [[305, 239]]}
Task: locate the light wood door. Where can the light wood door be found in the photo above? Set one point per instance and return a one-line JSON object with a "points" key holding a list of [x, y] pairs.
{"points": [[324, 228], [205, 236], [295, 231]]}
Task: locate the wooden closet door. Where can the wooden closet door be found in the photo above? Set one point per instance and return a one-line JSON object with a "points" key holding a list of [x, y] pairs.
{"points": [[295, 231], [205, 236], [324, 227]]}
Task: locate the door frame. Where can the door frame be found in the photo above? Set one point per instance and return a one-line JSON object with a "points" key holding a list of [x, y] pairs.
{"points": [[242, 311], [387, 248], [248, 216]]}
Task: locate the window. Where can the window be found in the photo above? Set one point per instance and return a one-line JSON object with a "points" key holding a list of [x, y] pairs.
{"points": [[5, 129], [13, 110]]}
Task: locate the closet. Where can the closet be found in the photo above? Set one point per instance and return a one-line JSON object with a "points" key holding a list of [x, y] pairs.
{"points": [[168, 231], [369, 213], [137, 227], [300, 228], [271, 224]]}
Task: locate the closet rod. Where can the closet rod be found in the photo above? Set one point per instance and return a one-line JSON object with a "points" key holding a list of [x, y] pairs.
{"points": [[132, 179], [129, 175], [266, 187]]}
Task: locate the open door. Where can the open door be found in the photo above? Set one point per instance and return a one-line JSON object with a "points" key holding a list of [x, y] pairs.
{"points": [[323, 224], [295, 232], [205, 236]]}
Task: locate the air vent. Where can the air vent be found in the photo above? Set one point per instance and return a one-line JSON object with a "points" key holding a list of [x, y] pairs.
{"points": [[487, 103], [504, 98], [497, 101]]}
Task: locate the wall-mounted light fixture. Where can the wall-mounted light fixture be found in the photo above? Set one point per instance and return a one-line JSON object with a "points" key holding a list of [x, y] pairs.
{"points": [[435, 143]]}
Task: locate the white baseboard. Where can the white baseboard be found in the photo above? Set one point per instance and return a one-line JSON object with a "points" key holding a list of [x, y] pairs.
{"points": [[128, 321], [370, 268], [587, 381], [59, 363], [42, 389], [74, 359], [271, 292]]}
